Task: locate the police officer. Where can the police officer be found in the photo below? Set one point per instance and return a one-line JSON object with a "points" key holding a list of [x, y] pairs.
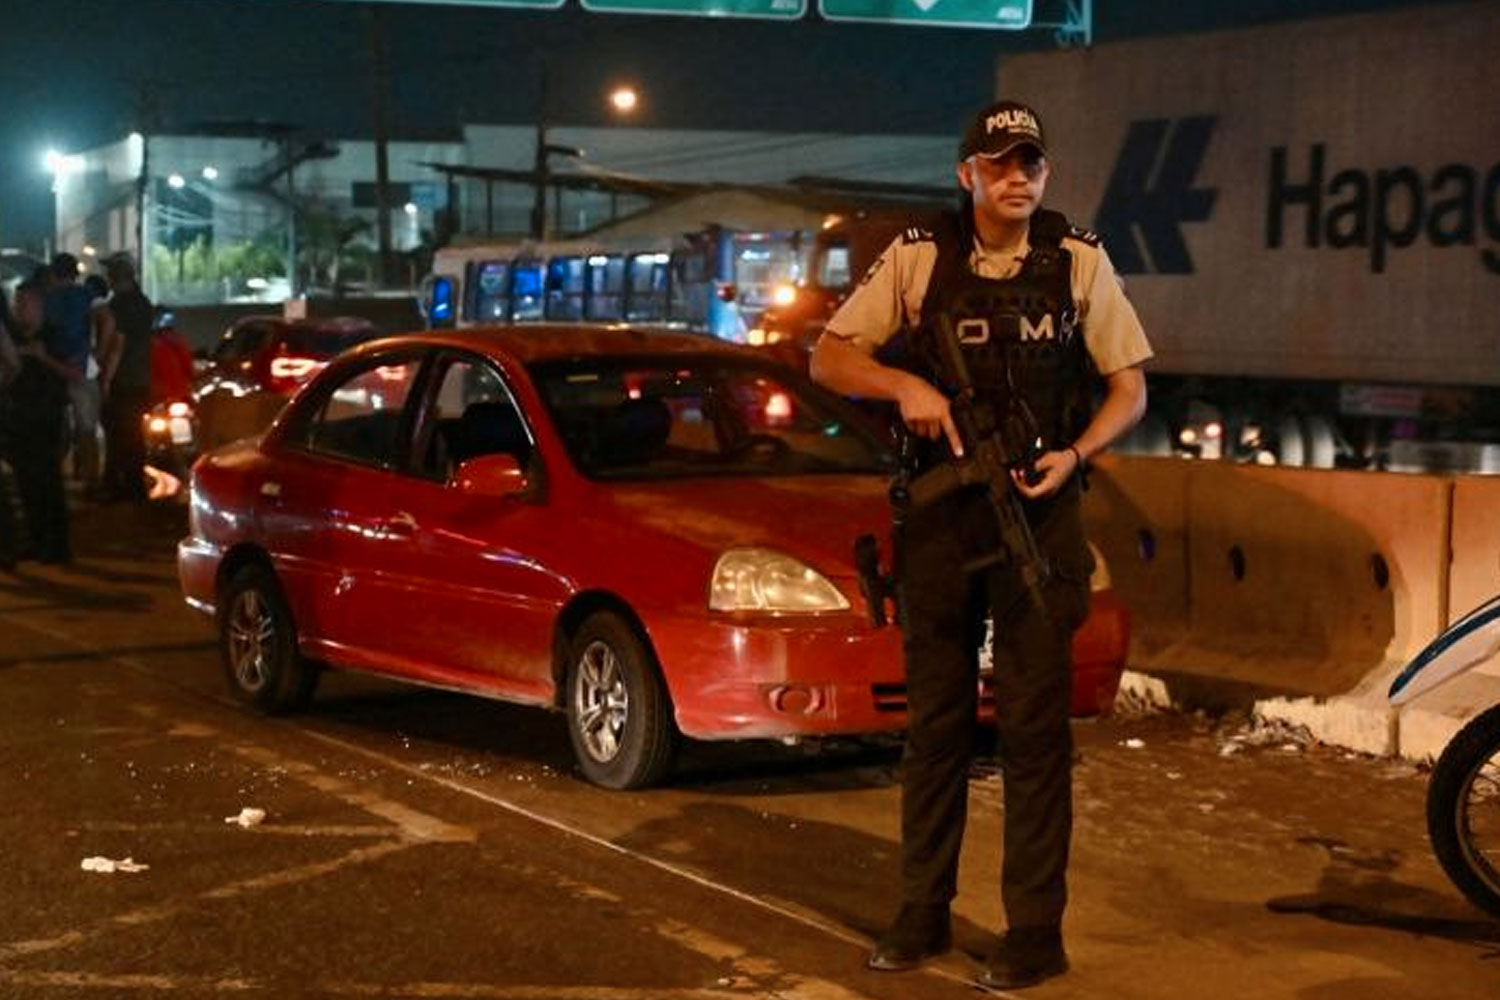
{"points": [[1036, 305]]}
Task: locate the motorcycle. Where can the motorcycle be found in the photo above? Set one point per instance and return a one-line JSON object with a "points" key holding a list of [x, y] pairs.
{"points": [[1463, 794]]}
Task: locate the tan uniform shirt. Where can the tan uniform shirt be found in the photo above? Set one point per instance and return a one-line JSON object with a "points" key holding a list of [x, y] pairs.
{"points": [[890, 297]]}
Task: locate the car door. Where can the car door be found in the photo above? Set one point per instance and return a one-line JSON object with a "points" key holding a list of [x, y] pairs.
{"points": [[323, 513], [440, 585]]}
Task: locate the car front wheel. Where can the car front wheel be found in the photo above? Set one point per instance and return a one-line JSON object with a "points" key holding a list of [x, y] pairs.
{"points": [[258, 644], [619, 712]]}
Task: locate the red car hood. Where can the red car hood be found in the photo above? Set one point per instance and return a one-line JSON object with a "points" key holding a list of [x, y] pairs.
{"points": [[814, 518]]}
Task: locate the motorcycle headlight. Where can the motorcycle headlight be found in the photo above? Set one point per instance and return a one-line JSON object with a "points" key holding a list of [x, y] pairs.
{"points": [[765, 580]]}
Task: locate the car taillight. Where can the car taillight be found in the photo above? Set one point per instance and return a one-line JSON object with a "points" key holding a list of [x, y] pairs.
{"points": [[778, 409], [290, 371]]}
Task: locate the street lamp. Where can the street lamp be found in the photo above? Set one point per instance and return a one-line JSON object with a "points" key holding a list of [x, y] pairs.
{"points": [[624, 99]]}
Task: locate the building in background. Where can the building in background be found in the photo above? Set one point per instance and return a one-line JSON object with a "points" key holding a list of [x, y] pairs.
{"points": [[220, 215]]}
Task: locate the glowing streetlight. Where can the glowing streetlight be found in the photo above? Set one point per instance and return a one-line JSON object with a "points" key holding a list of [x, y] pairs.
{"points": [[61, 165], [624, 99]]}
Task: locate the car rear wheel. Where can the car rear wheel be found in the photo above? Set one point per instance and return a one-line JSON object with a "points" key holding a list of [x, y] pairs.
{"points": [[258, 644], [619, 712]]}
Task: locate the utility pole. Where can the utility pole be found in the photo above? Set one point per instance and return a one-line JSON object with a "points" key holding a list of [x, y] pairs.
{"points": [[539, 165], [145, 124], [382, 139], [291, 216]]}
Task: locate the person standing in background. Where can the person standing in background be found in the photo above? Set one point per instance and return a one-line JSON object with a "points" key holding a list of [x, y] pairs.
{"points": [[80, 328], [125, 375], [38, 398], [10, 367]]}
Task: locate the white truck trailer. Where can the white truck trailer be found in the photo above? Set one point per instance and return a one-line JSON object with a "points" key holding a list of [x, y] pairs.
{"points": [[1307, 217]]}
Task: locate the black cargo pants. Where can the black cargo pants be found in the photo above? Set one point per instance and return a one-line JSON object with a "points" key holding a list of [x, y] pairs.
{"points": [[1033, 683]]}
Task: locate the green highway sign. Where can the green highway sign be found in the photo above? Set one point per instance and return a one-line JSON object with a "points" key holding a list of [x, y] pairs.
{"points": [[1006, 15], [532, 4], [784, 10]]}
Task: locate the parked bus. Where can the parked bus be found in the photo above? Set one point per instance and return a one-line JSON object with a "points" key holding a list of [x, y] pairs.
{"points": [[716, 281]]}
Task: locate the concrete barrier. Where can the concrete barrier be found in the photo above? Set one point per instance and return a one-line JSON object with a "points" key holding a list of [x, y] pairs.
{"points": [[1306, 580], [1427, 724], [1135, 513], [1475, 574], [1294, 593]]}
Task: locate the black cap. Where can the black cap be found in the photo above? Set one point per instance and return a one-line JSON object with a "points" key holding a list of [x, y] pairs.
{"points": [[1000, 128]]}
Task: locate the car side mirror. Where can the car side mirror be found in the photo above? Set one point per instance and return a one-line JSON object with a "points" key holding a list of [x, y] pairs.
{"points": [[497, 475]]}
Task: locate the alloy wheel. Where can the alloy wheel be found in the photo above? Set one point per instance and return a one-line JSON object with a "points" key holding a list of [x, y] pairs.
{"points": [[601, 702], [251, 631]]}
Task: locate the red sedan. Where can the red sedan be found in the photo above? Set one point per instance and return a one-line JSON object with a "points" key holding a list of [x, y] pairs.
{"points": [[651, 532]]}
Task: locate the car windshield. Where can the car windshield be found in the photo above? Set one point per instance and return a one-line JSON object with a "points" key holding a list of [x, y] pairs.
{"points": [[681, 417]]}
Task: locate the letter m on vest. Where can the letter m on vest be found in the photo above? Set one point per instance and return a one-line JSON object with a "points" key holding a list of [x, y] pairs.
{"points": [[1037, 331], [1151, 194]]}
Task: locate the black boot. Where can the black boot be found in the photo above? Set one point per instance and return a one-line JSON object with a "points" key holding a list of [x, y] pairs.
{"points": [[919, 932], [1024, 957]]}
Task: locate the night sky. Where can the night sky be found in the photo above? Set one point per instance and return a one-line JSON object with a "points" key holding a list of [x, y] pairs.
{"points": [[77, 73]]}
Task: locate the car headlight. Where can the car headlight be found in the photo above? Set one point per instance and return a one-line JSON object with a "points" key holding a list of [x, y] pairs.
{"points": [[765, 580]]}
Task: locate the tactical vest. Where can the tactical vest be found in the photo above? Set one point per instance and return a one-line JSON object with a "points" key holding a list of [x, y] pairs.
{"points": [[1020, 336]]}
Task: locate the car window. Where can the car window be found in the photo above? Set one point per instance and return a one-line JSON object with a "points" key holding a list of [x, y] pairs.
{"points": [[470, 413], [242, 340], [683, 417], [360, 418]]}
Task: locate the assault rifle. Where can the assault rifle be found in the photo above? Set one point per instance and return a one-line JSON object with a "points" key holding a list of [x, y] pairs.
{"points": [[993, 447]]}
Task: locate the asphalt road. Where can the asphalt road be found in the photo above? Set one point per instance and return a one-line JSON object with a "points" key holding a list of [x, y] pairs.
{"points": [[422, 844]]}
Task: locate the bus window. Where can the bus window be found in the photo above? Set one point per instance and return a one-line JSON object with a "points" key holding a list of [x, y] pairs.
{"points": [[606, 281], [471, 289], [490, 293], [760, 264], [646, 287], [690, 289], [526, 289], [565, 288], [833, 269]]}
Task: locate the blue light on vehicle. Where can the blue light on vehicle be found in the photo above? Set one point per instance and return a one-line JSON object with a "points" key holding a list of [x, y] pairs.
{"points": [[441, 308]]}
